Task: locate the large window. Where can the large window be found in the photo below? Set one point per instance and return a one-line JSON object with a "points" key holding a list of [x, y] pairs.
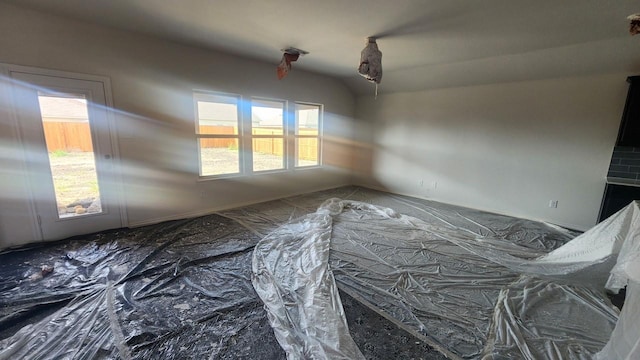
{"points": [[218, 133], [261, 135], [307, 134], [268, 134]]}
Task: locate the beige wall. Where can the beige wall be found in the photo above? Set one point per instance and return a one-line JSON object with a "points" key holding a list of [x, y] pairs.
{"points": [[507, 148], [152, 82]]}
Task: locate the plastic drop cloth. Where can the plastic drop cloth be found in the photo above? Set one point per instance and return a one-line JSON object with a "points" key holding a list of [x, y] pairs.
{"points": [[183, 289], [291, 275], [467, 282], [175, 290]]}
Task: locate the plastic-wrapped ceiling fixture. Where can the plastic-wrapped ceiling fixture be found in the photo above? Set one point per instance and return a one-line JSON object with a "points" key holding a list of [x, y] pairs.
{"points": [[285, 64], [634, 25], [371, 62], [290, 55]]}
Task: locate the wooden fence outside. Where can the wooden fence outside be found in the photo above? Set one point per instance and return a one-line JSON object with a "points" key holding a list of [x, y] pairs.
{"points": [[67, 136], [75, 136], [307, 149]]}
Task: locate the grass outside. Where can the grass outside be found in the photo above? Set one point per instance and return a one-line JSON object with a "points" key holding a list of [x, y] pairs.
{"points": [[216, 161], [75, 177]]}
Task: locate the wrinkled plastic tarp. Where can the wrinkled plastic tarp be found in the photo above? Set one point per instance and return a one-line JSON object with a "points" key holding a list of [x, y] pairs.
{"points": [[472, 291], [291, 275], [175, 290], [183, 289], [180, 289]]}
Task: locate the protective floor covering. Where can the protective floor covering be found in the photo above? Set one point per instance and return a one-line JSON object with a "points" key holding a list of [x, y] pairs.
{"points": [[471, 284], [176, 290], [183, 289]]}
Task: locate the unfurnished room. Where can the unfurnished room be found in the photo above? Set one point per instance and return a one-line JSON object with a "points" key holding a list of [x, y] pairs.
{"points": [[361, 179]]}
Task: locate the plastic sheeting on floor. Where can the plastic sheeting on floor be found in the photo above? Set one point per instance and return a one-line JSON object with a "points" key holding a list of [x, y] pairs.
{"points": [[291, 275], [175, 290], [183, 289], [469, 285]]}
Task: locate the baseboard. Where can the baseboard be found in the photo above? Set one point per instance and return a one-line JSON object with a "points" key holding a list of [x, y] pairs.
{"points": [[213, 210]]}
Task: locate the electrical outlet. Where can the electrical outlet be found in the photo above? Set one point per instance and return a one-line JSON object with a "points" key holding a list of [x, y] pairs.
{"points": [[553, 204]]}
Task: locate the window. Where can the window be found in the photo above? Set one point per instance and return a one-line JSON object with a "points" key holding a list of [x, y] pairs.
{"points": [[268, 134], [265, 135], [218, 133], [307, 134]]}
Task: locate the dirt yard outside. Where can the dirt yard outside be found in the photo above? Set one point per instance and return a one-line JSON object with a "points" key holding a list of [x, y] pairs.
{"points": [[76, 184], [225, 161]]}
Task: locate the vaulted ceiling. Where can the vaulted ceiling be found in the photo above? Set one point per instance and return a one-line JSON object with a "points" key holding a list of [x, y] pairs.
{"points": [[425, 43]]}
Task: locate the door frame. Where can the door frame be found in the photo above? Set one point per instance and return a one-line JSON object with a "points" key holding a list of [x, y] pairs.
{"points": [[5, 70]]}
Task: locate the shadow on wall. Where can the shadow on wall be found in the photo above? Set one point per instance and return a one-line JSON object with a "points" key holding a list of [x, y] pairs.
{"points": [[363, 167]]}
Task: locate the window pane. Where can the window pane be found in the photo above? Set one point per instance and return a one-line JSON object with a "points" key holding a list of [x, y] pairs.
{"points": [[219, 156], [218, 115], [268, 154], [267, 117], [73, 166], [307, 152], [307, 119]]}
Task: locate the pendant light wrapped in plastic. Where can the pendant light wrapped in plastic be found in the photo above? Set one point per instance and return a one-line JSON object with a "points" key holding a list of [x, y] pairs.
{"points": [[285, 64], [634, 26], [290, 55], [371, 62]]}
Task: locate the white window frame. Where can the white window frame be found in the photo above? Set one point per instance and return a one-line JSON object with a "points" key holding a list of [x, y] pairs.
{"points": [[286, 128], [210, 96], [245, 134], [295, 136]]}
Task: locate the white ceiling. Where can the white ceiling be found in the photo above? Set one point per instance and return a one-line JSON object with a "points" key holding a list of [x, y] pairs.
{"points": [[425, 43]]}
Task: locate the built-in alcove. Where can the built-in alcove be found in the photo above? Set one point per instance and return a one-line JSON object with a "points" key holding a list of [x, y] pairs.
{"points": [[623, 177], [629, 133]]}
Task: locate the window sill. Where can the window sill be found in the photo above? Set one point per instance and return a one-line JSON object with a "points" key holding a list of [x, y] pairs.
{"points": [[257, 173], [220, 177]]}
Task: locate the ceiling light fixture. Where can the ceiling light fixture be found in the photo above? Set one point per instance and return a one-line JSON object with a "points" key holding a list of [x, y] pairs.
{"points": [[290, 55], [634, 26], [371, 62]]}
